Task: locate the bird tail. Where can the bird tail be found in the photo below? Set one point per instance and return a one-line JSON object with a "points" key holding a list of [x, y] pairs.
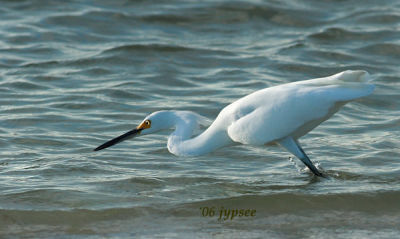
{"points": [[353, 76], [352, 85], [358, 82]]}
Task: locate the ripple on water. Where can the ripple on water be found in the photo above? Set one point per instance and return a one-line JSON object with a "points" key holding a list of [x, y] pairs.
{"points": [[75, 75]]}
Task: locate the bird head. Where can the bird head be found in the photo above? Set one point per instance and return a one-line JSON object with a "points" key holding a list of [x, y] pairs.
{"points": [[152, 123]]}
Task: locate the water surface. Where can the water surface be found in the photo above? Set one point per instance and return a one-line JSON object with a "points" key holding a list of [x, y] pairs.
{"points": [[74, 74]]}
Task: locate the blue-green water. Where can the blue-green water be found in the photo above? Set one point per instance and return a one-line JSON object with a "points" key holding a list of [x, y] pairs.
{"points": [[74, 74]]}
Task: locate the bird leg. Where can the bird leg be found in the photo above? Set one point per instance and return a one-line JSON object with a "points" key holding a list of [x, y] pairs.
{"points": [[293, 146]]}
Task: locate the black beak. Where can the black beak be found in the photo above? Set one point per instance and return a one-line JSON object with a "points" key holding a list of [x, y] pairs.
{"points": [[119, 139]]}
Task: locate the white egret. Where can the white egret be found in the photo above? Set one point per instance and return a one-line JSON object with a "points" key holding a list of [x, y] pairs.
{"points": [[280, 114]]}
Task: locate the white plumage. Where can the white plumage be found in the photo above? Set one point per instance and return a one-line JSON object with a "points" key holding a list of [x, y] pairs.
{"points": [[279, 114]]}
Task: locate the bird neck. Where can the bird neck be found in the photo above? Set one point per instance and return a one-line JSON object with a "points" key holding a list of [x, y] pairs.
{"points": [[180, 141]]}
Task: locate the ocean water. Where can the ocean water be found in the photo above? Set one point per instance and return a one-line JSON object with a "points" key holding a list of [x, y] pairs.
{"points": [[74, 74]]}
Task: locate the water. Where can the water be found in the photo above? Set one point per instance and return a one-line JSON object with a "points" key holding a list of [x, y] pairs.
{"points": [[74, 74]]}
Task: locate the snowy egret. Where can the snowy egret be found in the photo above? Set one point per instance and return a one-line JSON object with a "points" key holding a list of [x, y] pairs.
{"points": [[280, 114]]}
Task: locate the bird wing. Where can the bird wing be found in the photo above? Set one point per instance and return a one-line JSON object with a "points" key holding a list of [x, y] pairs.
{"points": [[291, 109], [276, 114]]}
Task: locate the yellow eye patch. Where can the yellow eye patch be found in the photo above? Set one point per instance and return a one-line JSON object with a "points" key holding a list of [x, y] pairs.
{"points": [[144, 125]]}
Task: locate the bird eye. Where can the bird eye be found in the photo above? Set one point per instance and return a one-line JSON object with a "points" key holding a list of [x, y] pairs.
{"points": [[144, 125]]}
